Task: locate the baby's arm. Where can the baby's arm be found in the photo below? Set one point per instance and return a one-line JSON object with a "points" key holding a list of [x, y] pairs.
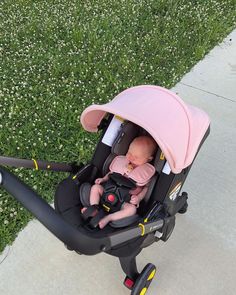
{"points": [[126, 210], [136, 199], [103, 179]]}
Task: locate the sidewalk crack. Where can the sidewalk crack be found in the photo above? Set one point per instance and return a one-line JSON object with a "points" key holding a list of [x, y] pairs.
{"points": [[194, 87]]}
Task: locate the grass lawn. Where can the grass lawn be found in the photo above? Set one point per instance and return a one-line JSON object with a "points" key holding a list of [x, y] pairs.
{"points": [[57, 57]]}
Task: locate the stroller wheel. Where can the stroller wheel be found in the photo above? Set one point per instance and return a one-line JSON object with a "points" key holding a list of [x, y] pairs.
{"points": [[144, 280], [184, 208], [71, 249], [68, 248]]}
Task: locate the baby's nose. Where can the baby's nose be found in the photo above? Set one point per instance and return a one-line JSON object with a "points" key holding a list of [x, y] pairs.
{"points": [[129, 157]]}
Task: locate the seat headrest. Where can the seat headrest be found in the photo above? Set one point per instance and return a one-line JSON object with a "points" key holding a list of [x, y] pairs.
{"points": [[125, 136]]}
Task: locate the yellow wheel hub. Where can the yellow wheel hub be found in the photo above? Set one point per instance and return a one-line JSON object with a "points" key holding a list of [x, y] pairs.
{"points": [[144, 290], [152, 274]]}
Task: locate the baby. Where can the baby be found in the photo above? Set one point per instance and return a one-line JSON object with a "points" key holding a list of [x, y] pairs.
{"points": [[133, 165]]}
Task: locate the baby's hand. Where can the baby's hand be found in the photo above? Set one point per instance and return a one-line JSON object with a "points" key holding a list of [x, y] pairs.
{"points": [[134, 200], [98, 180]]}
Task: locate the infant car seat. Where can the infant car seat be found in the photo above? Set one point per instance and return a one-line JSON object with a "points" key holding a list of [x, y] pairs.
{"points": [[126, 134]]}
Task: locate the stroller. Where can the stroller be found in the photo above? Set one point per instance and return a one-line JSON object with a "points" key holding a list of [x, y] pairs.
{"points": [[179, 131]]}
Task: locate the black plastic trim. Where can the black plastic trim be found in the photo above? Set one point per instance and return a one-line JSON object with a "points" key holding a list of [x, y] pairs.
{"points": [[76, 238]]}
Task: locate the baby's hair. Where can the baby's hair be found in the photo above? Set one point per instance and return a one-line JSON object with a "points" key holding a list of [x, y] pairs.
{"points": [[147, 142]]}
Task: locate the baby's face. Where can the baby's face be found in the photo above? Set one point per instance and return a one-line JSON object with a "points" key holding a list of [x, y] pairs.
{"points": [[137, 156]]}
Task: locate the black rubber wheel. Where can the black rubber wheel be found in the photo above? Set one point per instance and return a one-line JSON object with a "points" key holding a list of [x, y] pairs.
{"points": [[144, 280], [184, 208]]}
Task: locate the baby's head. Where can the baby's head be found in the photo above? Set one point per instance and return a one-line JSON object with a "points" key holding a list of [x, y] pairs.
{"points": [[141, 150]]}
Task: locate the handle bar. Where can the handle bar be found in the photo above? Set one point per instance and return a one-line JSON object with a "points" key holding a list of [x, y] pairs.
{"points": [[38, 164], [76, 239]]}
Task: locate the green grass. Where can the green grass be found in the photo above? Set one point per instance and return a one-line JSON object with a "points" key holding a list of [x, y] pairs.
{"points": [[57, 57]]}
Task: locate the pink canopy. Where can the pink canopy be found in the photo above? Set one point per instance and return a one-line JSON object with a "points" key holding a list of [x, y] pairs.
{"points": [[177, 127]]}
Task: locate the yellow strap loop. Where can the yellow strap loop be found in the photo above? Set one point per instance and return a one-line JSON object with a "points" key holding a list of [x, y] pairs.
{"points": [[36, 164], [162, 157], [142, 229]]}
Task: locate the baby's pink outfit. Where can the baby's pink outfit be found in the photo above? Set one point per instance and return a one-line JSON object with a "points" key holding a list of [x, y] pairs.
{"points": [[140, 174]]}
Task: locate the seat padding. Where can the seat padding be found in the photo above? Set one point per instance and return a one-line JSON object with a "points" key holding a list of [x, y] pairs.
{"points": [[84, 191], [66, 195], [125, 221], [125, 136], [121, 144]]}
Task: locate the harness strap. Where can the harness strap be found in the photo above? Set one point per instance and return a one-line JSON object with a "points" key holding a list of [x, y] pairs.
{"points": [[114, 196]]}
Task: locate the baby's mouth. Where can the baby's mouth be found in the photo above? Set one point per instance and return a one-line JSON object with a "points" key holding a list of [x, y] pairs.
{"points": [[132, 164]]}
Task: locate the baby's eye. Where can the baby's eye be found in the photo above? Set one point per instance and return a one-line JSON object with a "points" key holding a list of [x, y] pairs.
{"points": [[136, 157]]}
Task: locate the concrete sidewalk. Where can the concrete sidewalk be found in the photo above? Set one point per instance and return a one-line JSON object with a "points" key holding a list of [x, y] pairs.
{"points": [[200, 257]]}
